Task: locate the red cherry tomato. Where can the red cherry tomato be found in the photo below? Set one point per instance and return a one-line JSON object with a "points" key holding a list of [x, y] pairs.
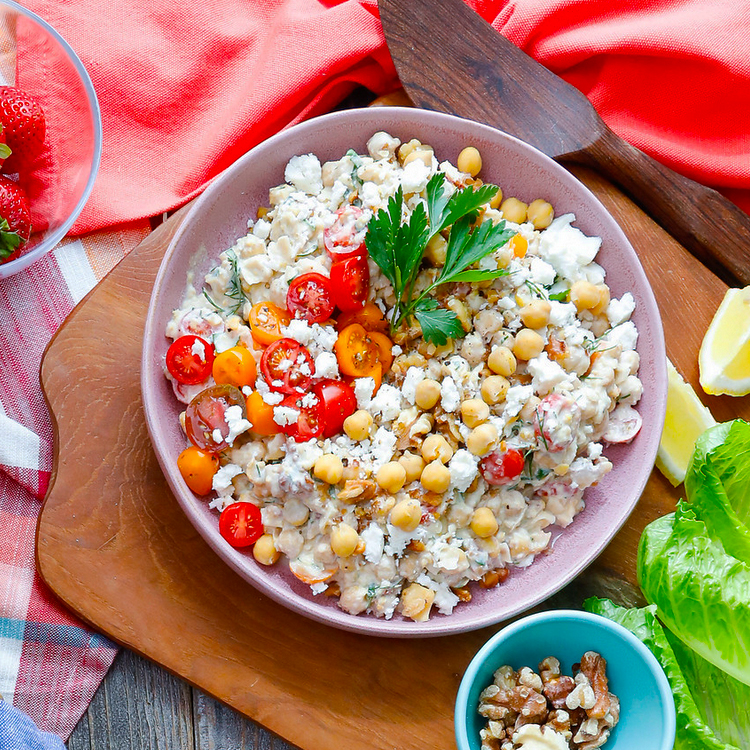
{"points": [[205, 415], [350, 283], [345, 237], [287, 366], [310, 421], [338, 402], [240, 524], [190, 359], [502, 467], [310, 298]]}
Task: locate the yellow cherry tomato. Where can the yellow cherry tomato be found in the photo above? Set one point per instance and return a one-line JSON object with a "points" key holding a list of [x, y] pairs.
{"points": [[198, 468], [260, 415], [235, 366]]}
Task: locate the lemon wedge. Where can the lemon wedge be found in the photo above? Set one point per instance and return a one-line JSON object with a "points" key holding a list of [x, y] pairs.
{"points": [[686, 419], [724, 358]]}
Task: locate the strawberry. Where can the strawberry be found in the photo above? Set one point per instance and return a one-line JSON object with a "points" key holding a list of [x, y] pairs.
{"points": [[24, 127], [15, 219]]}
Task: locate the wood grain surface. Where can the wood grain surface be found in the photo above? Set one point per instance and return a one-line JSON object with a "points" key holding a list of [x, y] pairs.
{"points": [[114, 545], [451, 60]]}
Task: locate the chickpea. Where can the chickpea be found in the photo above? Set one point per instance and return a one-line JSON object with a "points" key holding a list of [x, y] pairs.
{"points": [[528, 344], [436, 448], [406, 514], [416, 602], [344, 540], [514, 210], [295, 512], [584, 295], [474, 411], [427, 393], [470, 160], [357, 426], [496, 199], [484, 523], [329, 468], [541, 213], [436, 250], [391, 477], [502, 361], [423, 154], [494, 389], [604, 298], [481, 440], [405, 149], [536, 313], [264, 550], [529, 408], [435, 477], [413, 466]]}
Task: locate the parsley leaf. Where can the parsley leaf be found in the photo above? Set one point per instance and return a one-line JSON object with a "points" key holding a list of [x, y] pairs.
{"points": [[398, 248], [560, 296], [438, 323]]}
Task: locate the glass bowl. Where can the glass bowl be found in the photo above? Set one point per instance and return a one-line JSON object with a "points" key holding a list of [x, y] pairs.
{"points": [[35, 58]]}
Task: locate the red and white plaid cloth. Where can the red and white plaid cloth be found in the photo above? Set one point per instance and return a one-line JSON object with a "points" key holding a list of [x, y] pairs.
{"points": [[186, 88]]}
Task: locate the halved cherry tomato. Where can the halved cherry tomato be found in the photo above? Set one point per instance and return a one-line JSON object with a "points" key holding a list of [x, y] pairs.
{"points": [[235, 366], [198, 468], [205, 423], [370, 317], [310, 297], [339, 402], [189, 359], [240, 524], [502, 467], [350, 283], [310, 421], [287, 366], [345, 237], [265, 321], [385, 349], [260, 415], [357, 354]]}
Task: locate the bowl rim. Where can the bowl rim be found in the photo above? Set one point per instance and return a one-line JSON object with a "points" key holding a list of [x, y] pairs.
{"points": [[54, 237], [368, 624], [549, 617]]}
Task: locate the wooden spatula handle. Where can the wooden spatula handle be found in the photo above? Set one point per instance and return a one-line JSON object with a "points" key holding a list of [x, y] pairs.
{"points": [[711, 227]]}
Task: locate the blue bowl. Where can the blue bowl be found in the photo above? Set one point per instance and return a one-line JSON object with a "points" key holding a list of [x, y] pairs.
{"points": [[647, 712]]}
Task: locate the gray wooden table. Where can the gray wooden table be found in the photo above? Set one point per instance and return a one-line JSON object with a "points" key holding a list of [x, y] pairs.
{"points": [[140, 706]]}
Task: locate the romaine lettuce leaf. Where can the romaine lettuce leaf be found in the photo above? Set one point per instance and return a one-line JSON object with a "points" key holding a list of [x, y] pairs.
{"points": [[718, 485], [711, 706], [702, 594]]}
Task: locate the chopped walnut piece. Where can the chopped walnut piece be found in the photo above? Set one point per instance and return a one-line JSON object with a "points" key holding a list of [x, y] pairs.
{"points": [[557, 690], [582, 695], [356, 490], [594, 667], [549, 669], [559, 720], [505, 677], [530, 679]]}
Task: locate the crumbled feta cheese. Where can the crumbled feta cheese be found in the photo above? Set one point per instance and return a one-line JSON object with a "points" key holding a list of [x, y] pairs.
{"points": [[396, 350], [620, 310], [236, 422], [318, 588], [450, 398], [567, 248], [515, 399], [299, 330], [198, 349], [305, 173], [561, 313], [217, 436], [542, 272], [222, 481], [326, 365], [383, 447], [386, 403], [285, 415], [463, 469], [547, 374], [415, 176], [363, 390], [262, 229], [414, 376], [308, 400], [625, 334], [246, 390], [226, 340], [374, 541]]}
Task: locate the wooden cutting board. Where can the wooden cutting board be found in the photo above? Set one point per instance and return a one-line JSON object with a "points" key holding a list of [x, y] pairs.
{"points": [[114, 545]]}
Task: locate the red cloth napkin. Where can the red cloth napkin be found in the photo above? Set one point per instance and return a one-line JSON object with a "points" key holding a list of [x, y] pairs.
{"points": [[186, 88]]}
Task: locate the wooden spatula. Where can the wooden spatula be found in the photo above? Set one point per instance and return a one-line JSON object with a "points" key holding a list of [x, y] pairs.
{"points": [[449, 59]]}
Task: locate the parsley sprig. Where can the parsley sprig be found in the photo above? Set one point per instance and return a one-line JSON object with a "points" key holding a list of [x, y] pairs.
{"points": [[398, 246]]}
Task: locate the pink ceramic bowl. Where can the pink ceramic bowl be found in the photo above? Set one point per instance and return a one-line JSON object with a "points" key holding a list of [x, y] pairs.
{"points": [[220, 216]]}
